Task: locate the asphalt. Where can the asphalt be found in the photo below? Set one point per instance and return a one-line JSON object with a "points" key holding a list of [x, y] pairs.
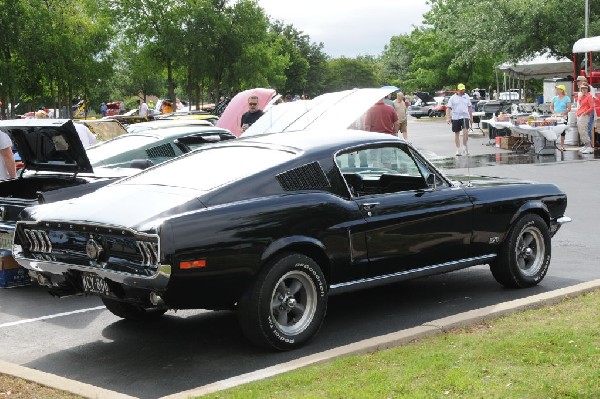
{"points": [[427, 135], [374, 344]]}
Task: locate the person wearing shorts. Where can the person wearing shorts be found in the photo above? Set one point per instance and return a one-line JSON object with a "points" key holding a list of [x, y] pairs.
{"points": [[459, 113]]}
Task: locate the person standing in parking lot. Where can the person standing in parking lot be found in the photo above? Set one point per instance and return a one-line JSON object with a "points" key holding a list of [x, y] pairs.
{"points": [[459, 113], [381, 118], [586, 107], [8, 169], [143, 107], [253, 113], [401, 109]]}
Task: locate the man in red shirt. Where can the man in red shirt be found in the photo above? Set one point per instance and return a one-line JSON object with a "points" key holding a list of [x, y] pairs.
{"points": [[382, 118]]}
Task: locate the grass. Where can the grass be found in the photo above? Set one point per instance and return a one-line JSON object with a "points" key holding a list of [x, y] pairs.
{"points": [[16, 388], [552, 352]]}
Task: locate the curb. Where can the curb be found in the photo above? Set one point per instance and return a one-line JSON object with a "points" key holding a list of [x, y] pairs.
{"points": [[61, 383], [357, 348], [398, 338]]}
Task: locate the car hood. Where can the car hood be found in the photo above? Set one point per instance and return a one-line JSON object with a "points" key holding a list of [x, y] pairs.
{"points": [[232, 116], [48, 145], [337, 110], [99, 206], [425, 97]]}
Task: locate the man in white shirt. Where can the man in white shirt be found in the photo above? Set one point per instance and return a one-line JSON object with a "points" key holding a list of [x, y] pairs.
{"points": [[459, 113], [8, 169]]}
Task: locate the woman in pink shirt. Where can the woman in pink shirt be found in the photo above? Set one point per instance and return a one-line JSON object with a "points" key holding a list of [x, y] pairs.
{"points": [[586, 106]]}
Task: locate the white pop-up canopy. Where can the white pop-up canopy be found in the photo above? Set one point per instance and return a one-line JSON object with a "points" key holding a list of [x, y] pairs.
{"points": [[587, 44], [541, 66]]}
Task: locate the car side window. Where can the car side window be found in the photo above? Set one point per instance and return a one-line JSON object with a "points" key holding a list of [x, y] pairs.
{"points": [[380, 170]]}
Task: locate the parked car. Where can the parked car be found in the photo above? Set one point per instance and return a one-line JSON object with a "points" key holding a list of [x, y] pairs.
{"points": [[133, 116], [57, 167], [191, 115], [423, 106], [164, 123], [153, 146], [272, 225], [440, 109]]}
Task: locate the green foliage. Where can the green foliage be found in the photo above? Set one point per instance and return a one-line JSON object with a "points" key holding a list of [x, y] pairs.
{"points": [[346, 73], [201, 49]]}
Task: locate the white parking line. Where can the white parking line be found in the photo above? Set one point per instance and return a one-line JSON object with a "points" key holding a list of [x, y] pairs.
{"points": [[52, 316]]}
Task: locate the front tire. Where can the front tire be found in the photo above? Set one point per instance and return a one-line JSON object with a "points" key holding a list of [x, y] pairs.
{"points": [[286, 304], [130, 311], [525, 256]]}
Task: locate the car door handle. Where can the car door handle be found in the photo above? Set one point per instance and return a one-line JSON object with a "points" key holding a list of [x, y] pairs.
{"points": [[367, 206]]}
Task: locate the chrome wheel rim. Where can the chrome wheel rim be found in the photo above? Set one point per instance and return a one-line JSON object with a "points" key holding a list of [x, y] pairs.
{"points": [[530, 251], [293, 303]]}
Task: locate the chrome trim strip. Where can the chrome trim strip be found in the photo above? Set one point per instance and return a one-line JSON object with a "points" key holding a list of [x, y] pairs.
{"points": [[351, 247], [158, 281], [403, 275]]}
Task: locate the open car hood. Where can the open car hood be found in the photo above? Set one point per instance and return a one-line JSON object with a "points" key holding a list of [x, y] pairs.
{"points": [[337, 110], [231, 118], [425, 97], [48, 145]]}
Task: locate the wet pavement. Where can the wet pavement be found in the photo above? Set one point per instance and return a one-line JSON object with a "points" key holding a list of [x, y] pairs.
{"points": [[435, 140], [475, 161]]}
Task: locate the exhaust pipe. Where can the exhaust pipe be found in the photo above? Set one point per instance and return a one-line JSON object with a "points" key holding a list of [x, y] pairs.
{"points": [[156, 299]]}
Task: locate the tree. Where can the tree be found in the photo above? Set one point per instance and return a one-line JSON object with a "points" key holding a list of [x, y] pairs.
{"points": [[305, 73], [346, 73]]}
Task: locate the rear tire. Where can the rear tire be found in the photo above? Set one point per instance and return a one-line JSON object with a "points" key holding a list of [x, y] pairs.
{"points": [[130, 311], [286, 305], [524, 257]]}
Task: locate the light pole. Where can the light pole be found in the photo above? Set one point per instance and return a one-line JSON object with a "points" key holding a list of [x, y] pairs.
{"points": [[585, 31]]}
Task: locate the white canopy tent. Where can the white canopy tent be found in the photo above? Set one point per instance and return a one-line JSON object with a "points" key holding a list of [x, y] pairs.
{"points": [[587, 44], [541, 66]]}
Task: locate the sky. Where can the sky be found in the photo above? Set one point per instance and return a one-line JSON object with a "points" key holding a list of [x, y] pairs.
{"points": [[349, 28]]}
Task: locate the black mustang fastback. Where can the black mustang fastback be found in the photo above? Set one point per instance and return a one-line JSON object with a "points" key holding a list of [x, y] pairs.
{"points": [[272, 225]]}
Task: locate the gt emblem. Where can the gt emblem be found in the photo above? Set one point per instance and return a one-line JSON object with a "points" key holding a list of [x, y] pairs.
{"points": [[494, 240], [93, 249]]}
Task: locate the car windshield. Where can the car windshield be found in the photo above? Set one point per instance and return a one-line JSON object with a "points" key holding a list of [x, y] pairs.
{"points": [[208, 169], [116, 146]]}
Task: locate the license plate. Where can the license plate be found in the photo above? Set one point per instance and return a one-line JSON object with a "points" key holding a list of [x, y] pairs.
{"points": [[6, 241], [94, 284]]}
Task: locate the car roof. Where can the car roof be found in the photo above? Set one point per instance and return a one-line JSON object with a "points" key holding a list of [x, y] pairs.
{"points": [[317, 139]]}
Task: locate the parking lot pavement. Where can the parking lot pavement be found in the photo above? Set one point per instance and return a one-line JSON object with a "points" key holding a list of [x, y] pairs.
{"points": [[76, 338]]}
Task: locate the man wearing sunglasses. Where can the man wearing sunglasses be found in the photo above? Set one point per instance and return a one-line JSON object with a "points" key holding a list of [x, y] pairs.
{"points": [[253, 113]]}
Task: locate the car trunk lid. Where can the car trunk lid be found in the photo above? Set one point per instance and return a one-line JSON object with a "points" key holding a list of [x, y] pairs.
{"points": [[48, 145]]}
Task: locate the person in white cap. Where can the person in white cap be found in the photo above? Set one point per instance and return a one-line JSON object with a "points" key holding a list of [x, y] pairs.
{"points": [[581, 80], [459, 113], [586, 107]]}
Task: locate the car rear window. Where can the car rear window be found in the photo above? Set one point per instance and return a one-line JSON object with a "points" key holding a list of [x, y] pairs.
{"points": [[207, 169], [117, 146]]}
